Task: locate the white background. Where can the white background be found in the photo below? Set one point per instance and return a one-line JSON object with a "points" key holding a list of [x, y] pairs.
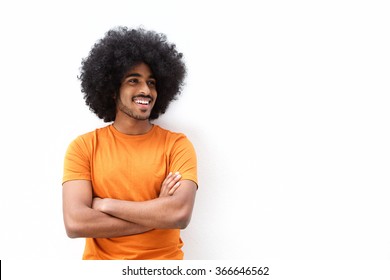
{"points": [[286, 102]]}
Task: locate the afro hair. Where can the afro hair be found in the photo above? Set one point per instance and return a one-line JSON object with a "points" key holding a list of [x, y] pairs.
{"points": [[115, 54]]}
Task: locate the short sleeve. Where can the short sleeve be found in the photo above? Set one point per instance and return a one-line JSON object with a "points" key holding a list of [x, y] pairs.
{"points": [[183, 159], [76, 162]]}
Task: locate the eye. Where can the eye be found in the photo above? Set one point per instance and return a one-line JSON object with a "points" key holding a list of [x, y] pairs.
{"points": [[151, 83], [132, 81]]}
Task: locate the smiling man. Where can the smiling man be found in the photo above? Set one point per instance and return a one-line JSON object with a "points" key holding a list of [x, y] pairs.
{"points": [[129, 187]]}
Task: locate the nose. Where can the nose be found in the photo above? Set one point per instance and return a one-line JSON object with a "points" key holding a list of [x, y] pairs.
{"points": [[144, 88]]}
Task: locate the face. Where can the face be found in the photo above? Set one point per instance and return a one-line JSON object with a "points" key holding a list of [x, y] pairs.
{"points": [[137, 94]]}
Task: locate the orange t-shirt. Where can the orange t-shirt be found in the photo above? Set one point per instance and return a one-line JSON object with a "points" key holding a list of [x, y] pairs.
{"points": [[131, 167]]}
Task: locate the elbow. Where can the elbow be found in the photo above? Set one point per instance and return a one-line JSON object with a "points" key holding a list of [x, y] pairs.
{"points": [[182, 215], [183, 224], [72, 229], [72, 233], [183, 219]]}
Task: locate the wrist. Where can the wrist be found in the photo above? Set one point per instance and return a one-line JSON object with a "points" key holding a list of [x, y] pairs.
{"points": [[100, 204], [105, 205]]}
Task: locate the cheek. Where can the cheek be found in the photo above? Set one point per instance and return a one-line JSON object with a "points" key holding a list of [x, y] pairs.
{"points": [[125, 93]]}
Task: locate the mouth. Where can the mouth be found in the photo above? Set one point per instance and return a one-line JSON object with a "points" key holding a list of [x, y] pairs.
{"points": [[143, 102]]}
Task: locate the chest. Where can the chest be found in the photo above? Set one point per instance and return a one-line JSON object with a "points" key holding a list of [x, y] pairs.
{"points": [[130, 171]]}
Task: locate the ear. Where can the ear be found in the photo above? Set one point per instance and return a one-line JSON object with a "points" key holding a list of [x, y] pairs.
{"points": [[114, 95]]}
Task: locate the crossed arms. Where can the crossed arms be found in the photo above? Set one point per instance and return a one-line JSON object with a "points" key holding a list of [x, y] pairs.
{"points": [[86, 216]]}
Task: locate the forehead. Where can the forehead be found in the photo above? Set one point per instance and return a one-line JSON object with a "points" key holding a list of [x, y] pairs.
{"points": [[140, 69]]}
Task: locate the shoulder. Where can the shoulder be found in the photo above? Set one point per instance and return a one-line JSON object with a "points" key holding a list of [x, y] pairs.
{"points": [[98, 132], [89, 139], [176, 142], [168, 133], [171, 136]]}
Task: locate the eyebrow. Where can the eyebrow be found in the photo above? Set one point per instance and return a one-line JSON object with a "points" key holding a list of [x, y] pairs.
{"points": [[137, 75]]}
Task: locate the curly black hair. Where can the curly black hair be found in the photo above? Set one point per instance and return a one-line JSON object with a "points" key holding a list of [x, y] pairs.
{"points": [[115, 54]]}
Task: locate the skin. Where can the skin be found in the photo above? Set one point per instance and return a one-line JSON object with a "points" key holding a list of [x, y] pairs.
{"points": [[132, 118], [88, 216]]}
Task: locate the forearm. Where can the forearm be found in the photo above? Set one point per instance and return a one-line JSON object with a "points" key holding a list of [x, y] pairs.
{"points": [[156, 213], [87, 222], [163, 212]]}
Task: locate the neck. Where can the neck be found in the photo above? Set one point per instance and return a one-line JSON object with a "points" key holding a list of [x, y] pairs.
{"points": [[132, 126]]}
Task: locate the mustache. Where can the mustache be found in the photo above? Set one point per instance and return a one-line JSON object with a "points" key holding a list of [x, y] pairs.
{"points": [[147, 96]]}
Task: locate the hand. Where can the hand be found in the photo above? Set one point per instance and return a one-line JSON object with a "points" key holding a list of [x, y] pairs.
{"points": [[97, 203], [170, 184]]}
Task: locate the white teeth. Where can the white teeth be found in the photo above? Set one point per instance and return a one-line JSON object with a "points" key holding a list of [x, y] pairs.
{"points": [[143, 102]]}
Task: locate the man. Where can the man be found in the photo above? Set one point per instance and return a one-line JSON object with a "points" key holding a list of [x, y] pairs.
{"points": [[130, 187]]}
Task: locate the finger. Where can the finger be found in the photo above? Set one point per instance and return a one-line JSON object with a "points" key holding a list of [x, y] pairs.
{"points": [[169, 176], [169, 182], [174, 180], [166, 181], [174, 188]]}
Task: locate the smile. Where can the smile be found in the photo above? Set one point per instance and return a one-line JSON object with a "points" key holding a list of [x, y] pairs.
{"points": [[142, 100]]}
